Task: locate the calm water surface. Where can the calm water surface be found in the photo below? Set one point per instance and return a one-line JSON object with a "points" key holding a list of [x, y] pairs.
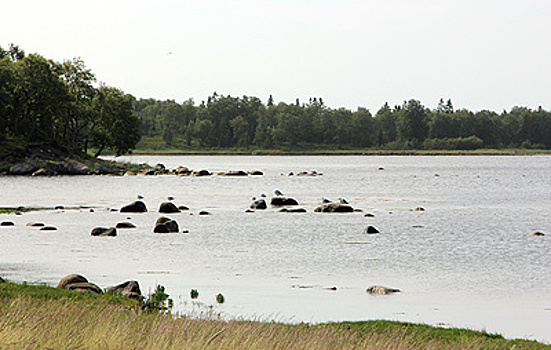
{"points": [[469, 260]]}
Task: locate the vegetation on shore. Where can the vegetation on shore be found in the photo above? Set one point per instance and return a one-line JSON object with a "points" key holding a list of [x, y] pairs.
{"points": [[38, 317]]}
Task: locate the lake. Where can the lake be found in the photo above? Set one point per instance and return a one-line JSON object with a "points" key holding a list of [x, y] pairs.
{"points": [[469, 260]]}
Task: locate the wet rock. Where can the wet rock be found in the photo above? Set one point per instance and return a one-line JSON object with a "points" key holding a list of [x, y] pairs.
{"points": [[182, 170], [419, 209], [371, 230], [183, 208], [249, 211], [79, 283], [23, 169], [334, 208], [204, 212], [168, 207], [538, 233], [166, 225], [369, 215], [281, 201], [125, 225], [202, 172], [48, 228], [380, 290], [7, 223], [35, 224], [257, 173], [129, 289], [76, 168], [235, 173], [135, 207], [59, 207], [104, 232], [293, 210], [259, 204]]}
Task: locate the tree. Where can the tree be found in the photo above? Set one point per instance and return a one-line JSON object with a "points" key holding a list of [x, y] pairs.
{"points": [[411, 123]]}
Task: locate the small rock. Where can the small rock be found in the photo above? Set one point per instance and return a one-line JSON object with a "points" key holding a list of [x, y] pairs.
{"points": [[7, 223], [202, 172], [129, 289], [380, 290], [166, 225], [257, 173], [419, 209], [48, 228], [293, 210], [135, 207], [183, 208], [259, 204], [104, 232], [125, 225], [35, 224], [538, 233], [369, 215], [249, 211], [76, 168], [371, 230], [281, 201], [334, 208], [203, 212], [168, 208], [235, 173], [59, 207]]}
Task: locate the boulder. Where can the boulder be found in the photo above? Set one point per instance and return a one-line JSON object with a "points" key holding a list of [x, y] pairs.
{"points": [[2, 280], [259, 204], [369, 215], [538, 233], [419, 209], [23, 169], [203, 212], [371, 230], [380, 290], [125, 225], [76, 168], [257, 173], [183, 208], [129, 289], [135, 207], [202, 172], [236, 173], [79, 283], [281, 201], [104, 232], [48, 228], [293, 210], [7, 223], [35, 224], [166, 225], [59, 207], [182, 170], [334, 208], [168, 207]]}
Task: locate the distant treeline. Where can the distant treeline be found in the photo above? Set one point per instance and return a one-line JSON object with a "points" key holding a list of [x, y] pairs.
{"points": [[226, 121], [47, 102]]}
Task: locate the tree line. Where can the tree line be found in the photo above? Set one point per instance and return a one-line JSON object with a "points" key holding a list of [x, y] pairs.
{"points": [[60, 103], [226, 121]]}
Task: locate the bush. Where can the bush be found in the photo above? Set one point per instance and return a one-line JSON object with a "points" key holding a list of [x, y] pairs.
{"points": [[459, 143]]}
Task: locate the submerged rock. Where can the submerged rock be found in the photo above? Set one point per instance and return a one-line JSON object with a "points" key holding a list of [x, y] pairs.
{"points": [[135, 207], [293, 210], [334, 208], [380, 290], [104, 232]]}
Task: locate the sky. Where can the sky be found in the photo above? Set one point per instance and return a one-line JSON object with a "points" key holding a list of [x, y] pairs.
{"points": [[485, 54]]}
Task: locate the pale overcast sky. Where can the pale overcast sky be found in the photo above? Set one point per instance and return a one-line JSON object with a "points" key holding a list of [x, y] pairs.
{"points": [[484, 54]]}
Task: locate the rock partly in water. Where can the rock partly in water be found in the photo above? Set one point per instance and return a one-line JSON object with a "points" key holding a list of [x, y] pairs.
{"points": [[48, 228], [419, 209], [293, 210], [204, 212], [135, 207], [257, 173], [23, 169], [183, 208], [369, 215], [166, 225], [125, 225], [79, 283], [7, 223], [76, 168], [371, 230], [168, 208], [104, 232], [35, 224], [202, 172], [538, 233], [259, 204], [281, 201], [380, 290], [235, 173], [334, 208], [129, 289]]}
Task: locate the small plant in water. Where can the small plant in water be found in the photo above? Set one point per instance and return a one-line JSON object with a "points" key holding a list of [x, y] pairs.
{"points": [[220, 298], [158, 301], [194, 294]]}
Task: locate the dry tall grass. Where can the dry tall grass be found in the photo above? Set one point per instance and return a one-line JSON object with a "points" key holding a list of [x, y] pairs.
{"points": [[29, 323]]}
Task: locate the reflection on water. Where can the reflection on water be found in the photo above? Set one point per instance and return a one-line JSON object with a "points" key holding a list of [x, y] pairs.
{"points": [[468, 260]]}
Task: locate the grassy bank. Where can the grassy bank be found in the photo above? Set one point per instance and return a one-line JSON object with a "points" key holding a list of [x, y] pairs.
{"points": [[39, 317]]}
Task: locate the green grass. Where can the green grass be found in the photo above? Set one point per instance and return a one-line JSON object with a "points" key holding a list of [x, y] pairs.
{"points": [[41, 317]]}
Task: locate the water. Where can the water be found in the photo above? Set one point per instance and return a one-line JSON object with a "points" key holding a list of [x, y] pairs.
{"points": [[468, 260]]}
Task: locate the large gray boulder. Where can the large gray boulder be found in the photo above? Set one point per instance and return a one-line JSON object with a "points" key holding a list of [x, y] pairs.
{"points": [[129, 289], [23, 169], [334, 208], [281, 201], [135, 207], [168, 207], [79, 283]]}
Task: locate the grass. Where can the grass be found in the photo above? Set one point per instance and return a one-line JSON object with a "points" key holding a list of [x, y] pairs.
{"points": [[41, 317]]}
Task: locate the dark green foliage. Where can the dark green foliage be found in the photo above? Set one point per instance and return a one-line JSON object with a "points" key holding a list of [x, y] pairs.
{"points": [[194, 294], [158, 301], [220, 298]]}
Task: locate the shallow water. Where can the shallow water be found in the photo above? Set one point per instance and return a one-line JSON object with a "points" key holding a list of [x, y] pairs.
{"points": [[469, 260]]}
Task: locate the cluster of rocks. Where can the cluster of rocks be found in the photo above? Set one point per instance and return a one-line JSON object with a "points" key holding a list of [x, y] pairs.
{"points": [[50, 168], [31, 224], [305, 173], [79, 283], [160, 169]]}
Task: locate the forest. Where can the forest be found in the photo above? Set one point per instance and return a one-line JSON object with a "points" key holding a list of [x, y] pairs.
{"points": [[62, 104], [226, 121]]}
